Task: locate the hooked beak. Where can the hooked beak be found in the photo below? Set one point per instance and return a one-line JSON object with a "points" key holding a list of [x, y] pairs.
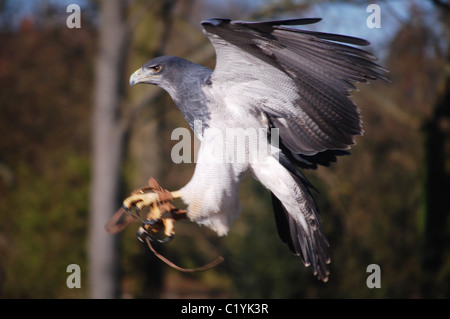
{"points": [[139, 76]]}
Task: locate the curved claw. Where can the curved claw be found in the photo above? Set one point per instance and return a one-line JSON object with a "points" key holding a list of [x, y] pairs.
{"points": [[129, 210], [142, 234], [166, 239], [152, 222], [126, 209]]}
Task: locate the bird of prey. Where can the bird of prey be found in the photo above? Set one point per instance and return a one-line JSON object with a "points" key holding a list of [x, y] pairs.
{"points": [[273, 78]]}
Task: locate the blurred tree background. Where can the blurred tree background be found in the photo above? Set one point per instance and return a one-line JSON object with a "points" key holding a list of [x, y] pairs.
{"points": [[387, 204]]}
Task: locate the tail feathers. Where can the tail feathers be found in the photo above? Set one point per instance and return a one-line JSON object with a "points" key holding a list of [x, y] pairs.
{"points": [[309, 243]]}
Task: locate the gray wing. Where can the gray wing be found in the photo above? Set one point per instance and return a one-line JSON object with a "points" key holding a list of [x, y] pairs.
{"points": [[301, 79]]}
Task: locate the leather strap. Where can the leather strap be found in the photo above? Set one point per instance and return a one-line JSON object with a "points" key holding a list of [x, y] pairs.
{"points": [[212, 264]]}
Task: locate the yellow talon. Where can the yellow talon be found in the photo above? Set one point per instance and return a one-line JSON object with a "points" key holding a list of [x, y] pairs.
{"points": [[169, 227], [154, 213], [141, 200]]}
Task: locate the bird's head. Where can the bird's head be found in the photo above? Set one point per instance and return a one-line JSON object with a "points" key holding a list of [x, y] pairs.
{"points": [[151, 72], [166, 72], [175, 75]]}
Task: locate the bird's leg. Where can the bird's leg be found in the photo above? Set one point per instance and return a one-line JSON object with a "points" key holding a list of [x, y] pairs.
{"points": [[161, 215]]}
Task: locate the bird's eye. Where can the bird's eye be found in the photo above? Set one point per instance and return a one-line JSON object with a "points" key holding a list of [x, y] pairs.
{"points": [[156, 68]]}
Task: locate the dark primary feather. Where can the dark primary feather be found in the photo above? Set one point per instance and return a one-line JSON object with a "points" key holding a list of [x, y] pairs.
{"points": [[313, 250], [324, 158], [268, 24]]}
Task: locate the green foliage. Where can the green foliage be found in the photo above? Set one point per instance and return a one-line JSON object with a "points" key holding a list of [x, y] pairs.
{"points": [[47, 218]]}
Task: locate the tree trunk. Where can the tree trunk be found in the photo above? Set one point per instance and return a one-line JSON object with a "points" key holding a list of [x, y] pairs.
{"points": [[108, 139]]}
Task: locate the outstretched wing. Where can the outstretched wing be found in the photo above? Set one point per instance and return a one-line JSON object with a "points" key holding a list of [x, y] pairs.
{"points": [[300, 79]]}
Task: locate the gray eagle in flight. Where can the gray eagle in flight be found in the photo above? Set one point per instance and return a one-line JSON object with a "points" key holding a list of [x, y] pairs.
{"points": [[291, 87]]}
